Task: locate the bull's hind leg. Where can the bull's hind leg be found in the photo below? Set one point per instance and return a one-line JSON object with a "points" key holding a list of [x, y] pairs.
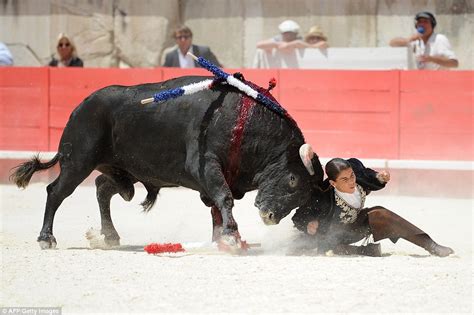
{"points": [[61, 188], [106, 188]]}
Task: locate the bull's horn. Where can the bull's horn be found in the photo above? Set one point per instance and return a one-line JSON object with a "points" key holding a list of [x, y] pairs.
{"points": [[306, 154]]}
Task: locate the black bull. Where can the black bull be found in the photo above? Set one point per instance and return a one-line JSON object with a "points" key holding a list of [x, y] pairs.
{"points": [[200, 141]]}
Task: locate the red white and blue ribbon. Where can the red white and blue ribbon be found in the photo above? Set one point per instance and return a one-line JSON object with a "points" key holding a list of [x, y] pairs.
{"points": [[220, 76], [184, 90]]}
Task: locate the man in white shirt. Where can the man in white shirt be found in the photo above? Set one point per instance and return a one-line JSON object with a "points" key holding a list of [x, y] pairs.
{"points": [[289, 32], [432, 50], [6, 58]]}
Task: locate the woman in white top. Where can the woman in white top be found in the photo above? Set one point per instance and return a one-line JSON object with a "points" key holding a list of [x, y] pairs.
{"points": [[337, 217]]}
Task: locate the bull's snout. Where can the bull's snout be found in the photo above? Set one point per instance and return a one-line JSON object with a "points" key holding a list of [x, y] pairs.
{"points": [[268, 217]]}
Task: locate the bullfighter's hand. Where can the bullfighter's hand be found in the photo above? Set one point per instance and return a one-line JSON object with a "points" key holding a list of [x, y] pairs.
{"points": [[383, 176], [312, 227]]}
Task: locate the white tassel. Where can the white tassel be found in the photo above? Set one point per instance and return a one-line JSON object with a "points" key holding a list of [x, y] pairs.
{"points": [[196, 87]]}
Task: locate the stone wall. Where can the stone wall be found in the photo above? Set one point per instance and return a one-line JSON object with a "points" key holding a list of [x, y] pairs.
{"points": [[125, 33]]}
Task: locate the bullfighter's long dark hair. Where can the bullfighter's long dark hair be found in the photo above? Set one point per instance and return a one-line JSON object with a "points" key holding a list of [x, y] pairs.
{"points": [[335, 166]]}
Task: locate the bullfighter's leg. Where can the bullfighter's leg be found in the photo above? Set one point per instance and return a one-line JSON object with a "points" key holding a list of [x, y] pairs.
{"points": [[386, 224], [63, 186]]}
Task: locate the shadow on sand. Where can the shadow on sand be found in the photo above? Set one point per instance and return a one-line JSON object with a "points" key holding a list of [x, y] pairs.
{"points": [[122, 248]]}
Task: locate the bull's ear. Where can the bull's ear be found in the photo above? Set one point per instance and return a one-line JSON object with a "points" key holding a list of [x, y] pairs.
{"points": [[306, 154]]}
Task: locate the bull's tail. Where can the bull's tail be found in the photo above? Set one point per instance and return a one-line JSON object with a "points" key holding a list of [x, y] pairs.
{"points": [[152, 193], [22, 173]]}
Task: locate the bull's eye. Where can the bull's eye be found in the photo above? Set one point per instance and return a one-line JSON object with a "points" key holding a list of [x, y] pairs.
{"points": [[293, 182]]}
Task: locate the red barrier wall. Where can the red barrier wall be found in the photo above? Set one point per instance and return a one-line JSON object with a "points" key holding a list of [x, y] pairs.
{"points": [[368, 114], [24, 101], [436, 115], [345, 113], [69, 86]]}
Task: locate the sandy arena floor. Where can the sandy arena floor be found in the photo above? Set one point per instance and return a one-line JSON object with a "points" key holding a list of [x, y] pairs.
{"points": [[81, 280]]}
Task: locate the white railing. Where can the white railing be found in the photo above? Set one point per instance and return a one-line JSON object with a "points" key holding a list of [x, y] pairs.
{"points": [[373, 58]]}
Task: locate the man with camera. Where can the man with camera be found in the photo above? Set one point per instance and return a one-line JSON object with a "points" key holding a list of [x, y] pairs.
{"points": [[432, 50]]}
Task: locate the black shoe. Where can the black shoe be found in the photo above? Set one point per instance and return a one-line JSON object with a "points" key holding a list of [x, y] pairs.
{"points": [[439, 250], [373, 250]]}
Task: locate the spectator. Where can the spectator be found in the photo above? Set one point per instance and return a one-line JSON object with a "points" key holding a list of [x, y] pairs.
{"points": [[289, 32], [66, 53], [6, 58], [316, 38], [178, 57], [432, 50]]}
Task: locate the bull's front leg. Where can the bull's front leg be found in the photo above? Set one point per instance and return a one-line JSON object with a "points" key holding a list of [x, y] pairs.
{"points": [[215, 216], [216, 224], [218, 190], [225, 203]]}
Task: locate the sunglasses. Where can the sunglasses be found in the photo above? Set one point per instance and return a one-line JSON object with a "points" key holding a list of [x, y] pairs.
{"points": [[183, 37], [64, 45]]}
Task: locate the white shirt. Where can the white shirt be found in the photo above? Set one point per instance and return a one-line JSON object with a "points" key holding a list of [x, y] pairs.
{"points": [[6, 58], [185, 61], [354, 199], [279, 38], [437, 45]]}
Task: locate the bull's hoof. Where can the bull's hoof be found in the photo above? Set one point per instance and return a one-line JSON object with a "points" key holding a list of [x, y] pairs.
{"points": [[99, 240], [110, 237], [112, 241], [232, 244], [47, 241]]}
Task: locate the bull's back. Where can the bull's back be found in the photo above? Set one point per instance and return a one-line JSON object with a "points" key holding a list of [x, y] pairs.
{"points": [[148, 140], [118, 109]]}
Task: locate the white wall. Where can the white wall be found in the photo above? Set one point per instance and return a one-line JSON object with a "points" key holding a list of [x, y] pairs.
{"points": [[113, 32]]}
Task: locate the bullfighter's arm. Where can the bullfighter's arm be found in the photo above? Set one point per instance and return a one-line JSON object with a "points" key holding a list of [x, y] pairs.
{"points": [[303, 216], [317, 208], [369, 179]]}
